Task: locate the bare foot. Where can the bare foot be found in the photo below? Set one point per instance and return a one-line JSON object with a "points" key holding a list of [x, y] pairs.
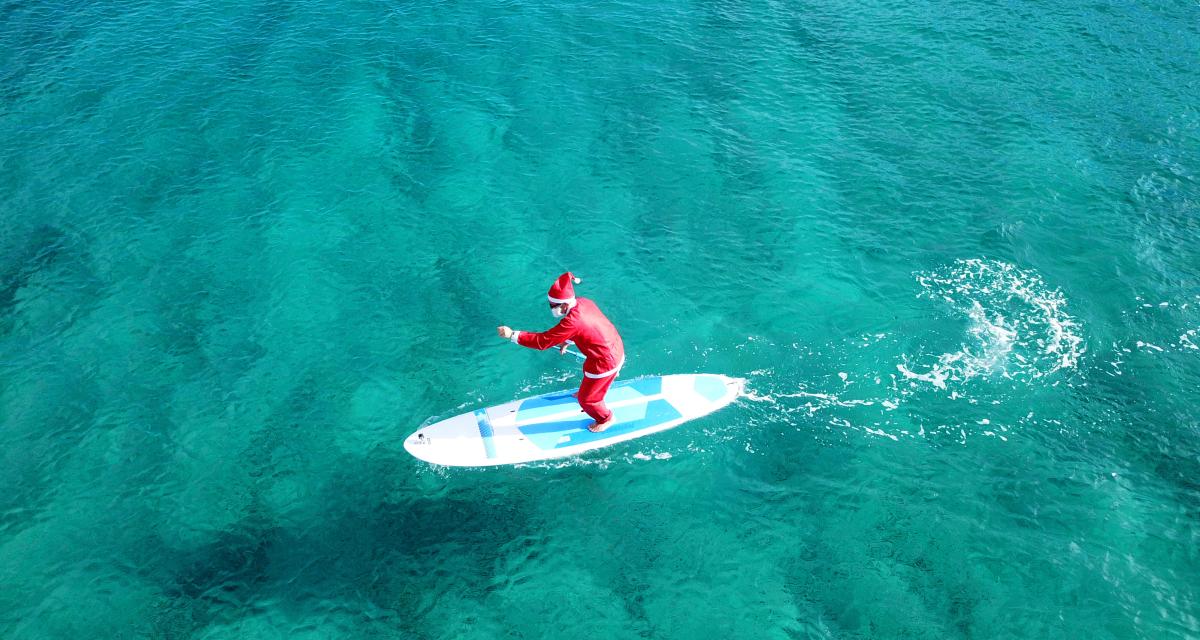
{"points": [[597, 427]]}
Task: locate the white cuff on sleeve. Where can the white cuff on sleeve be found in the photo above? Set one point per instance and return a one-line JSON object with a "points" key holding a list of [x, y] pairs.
{"points": [[514, 336]]}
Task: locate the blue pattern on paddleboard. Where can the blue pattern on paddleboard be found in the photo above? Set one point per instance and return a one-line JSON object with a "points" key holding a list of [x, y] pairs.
{"points": [[486, 432], [711, 387], [554, 403], [550, 435]]}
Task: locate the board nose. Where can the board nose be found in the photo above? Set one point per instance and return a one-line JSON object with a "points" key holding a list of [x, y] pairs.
{"points": [[416, 442]]}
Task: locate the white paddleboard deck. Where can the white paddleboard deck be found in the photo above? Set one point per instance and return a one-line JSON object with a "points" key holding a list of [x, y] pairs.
{"points": [[552, 425]]}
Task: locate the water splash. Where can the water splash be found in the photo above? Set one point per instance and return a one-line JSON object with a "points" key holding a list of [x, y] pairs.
{"points": [[1018, 325], [1017, 331]]}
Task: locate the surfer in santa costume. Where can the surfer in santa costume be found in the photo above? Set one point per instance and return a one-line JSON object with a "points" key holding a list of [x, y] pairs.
{"points": [[582, 323]]}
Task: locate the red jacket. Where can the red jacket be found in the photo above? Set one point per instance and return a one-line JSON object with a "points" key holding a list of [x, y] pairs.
{"points": [[587, 327]]}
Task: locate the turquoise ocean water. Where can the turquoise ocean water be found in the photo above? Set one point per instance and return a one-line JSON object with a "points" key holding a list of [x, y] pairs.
{"points": [[247, 247]]}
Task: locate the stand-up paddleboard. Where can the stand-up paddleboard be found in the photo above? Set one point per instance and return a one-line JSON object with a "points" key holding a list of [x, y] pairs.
{"points": [[552, 426]]}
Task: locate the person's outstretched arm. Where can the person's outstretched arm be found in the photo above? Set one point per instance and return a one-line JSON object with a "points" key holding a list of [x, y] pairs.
{"points": [[554, 336]]}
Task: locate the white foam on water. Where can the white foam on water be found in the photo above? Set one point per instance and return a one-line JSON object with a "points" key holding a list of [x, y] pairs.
{"points": [[754, 397], [1169, 313], [936, 376], [602, 461], [881, 432], [1016, 330], [1018, 326]]}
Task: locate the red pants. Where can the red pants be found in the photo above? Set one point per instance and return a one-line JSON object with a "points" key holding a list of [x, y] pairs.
{"points": [[591, 397]]}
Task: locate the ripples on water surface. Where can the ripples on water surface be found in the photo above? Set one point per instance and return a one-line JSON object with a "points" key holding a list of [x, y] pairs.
{"points": [[247, 247]]}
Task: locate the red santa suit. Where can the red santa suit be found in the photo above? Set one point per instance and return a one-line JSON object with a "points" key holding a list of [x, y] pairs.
{"points": [[596, 338]]}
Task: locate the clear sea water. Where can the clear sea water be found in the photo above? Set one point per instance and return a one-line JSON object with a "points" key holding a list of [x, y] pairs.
{"points": [[247, 247]]}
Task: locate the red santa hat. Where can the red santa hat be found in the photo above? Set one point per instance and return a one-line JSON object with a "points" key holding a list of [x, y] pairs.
{"points": [[563, 289]]}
